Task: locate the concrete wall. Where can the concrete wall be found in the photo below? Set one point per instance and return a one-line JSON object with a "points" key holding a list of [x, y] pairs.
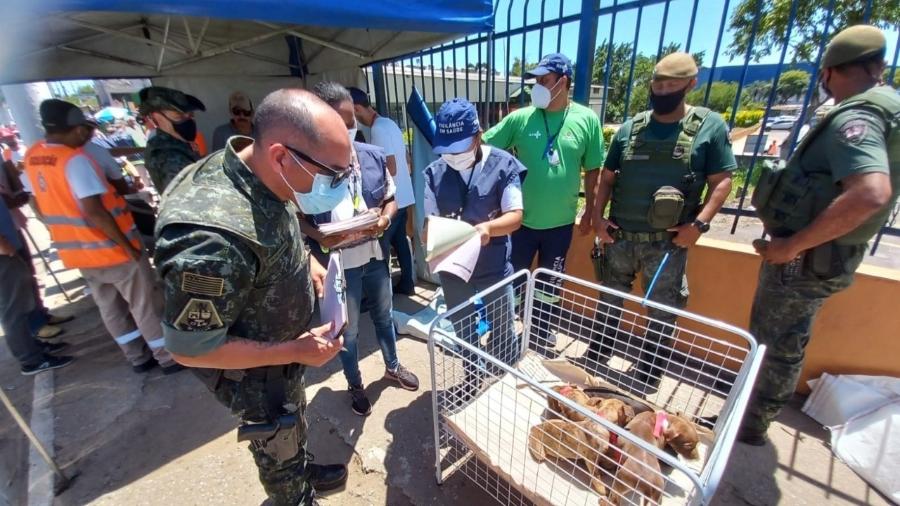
{"points": [[857, 331]]}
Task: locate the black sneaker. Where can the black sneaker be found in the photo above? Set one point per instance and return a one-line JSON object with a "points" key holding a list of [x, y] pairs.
{"points": [[146, 366], [172, 368], [403, 376], [327, 477], [359, 403], [54, 347], [49, 362]]}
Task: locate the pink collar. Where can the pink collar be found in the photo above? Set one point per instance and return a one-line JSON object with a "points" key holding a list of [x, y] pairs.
{"points": [[662, 423], [566, 390]]}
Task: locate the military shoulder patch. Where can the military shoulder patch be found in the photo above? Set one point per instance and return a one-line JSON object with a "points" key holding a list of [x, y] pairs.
{"points": [[202, 285], [853, 131], [198, 314]]}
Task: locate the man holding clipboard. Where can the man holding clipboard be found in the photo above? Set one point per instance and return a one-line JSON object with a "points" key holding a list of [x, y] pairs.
{"points": [[365, 269]]}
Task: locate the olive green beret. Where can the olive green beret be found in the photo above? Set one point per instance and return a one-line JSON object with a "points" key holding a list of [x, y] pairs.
{"points": [[675, 66], [159, 98], [852, 44]]}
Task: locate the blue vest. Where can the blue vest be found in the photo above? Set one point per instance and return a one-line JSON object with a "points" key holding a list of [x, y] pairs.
{"points": [[478, 203], [372, 167]]}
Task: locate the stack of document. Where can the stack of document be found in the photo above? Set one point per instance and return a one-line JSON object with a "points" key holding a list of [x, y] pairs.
{"points": [[356, 223], [453, 246]]}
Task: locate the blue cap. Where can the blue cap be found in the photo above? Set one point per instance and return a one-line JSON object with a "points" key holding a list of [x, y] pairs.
{"points": [[457, 124], [554, 62]]}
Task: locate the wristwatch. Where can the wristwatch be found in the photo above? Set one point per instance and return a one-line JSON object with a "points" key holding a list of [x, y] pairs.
{"points": [[702, 226]]}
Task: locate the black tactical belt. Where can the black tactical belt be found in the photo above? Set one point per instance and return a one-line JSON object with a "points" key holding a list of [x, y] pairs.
{"points": [[643, 236]]}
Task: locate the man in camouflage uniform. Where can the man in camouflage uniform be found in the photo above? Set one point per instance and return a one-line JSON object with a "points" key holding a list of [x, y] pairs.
{"points": [[170, 148], [655, 172], [820, 210], [239, 281]]}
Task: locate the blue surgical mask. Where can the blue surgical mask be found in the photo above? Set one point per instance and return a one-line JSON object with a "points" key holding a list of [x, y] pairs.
{"points": [[321, 197]]}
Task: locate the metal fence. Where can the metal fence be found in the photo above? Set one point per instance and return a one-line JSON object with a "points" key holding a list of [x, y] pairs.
{"points": [[614, 43]]}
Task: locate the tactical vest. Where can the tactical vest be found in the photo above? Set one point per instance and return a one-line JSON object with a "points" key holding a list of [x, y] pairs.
{"points": [[647, 165], [476, 204], [788, 199], [374, 184], [206, 195]]}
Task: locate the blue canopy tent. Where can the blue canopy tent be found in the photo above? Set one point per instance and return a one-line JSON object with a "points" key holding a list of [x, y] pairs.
{"points": [[68, 39]]}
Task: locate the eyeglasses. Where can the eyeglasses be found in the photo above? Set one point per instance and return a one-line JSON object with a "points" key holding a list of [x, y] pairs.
{"points": [[337, 175], [237, 111]]}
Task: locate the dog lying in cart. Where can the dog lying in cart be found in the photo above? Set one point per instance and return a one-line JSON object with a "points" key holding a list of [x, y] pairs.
{"points": [[558, 426]]}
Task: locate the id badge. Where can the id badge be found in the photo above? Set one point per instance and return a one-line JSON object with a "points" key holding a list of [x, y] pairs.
{"points": [[553, 158]]}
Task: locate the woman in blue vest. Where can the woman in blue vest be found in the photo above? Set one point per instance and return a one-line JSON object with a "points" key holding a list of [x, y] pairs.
{"points": [[370, 189], [481, 185]]}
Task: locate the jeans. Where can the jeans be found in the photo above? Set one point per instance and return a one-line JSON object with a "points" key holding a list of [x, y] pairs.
{"points": [[396, 236], [39, 316], [372, 280], [16, 303], [497, 309]]}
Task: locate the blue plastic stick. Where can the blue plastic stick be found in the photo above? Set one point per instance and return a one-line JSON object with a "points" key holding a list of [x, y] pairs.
{"points": [[655, 276]]}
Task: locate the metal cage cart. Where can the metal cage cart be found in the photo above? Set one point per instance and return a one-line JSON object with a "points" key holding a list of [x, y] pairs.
{"points": [[499, 361]]}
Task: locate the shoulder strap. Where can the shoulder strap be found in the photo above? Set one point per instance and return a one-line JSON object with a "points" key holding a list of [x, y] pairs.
{"points": [[638, 124], [690, 126], [874, 100]]}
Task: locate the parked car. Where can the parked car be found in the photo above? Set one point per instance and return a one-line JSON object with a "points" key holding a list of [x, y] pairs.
{"points": [[781, 123]]}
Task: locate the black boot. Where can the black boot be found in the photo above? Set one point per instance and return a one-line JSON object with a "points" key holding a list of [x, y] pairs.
{"points": [[327, 477]]}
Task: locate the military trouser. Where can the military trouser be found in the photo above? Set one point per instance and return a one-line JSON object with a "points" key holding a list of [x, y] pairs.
{"points": [[620, 263], [784, 308], [281, 457]]}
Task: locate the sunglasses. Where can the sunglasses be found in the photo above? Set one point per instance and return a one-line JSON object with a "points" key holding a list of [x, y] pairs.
{"points": [[237, 111], [337, 175]]}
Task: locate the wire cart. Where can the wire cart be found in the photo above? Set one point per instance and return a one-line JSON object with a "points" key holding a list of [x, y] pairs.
{"points": [[496, 359]]}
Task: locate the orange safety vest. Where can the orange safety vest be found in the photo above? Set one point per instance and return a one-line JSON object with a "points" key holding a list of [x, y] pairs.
{"points": [[80, 244]]}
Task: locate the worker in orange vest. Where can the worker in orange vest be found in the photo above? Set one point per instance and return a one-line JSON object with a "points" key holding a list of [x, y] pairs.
{"points": [[93, 231]]}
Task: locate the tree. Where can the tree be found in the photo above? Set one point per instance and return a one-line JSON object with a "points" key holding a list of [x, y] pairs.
{"points": [[791, 84], [721, 95], [516, 69], [758, 91], [807, 31], [87, 89], [887, 77]]}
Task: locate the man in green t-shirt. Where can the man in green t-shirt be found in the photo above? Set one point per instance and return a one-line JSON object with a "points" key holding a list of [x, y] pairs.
{"points": [[659, 163], [555, 139]]}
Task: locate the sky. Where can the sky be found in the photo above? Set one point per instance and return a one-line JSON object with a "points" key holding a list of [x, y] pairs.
{"points": [[708, 21]]}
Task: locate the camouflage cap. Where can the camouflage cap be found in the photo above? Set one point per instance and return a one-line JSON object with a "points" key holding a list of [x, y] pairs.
{"points": [[853, 44], [159, 98], [676, 65]]}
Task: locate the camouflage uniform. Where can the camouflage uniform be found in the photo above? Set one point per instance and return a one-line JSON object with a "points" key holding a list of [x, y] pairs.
{"points": [[164, 158], [854, 138], [234, 265]]}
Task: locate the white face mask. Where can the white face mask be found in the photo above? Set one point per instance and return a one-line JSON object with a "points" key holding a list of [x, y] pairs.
{"points": [[460, 161], [541, 95]]}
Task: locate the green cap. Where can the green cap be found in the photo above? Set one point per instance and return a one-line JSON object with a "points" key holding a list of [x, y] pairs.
{"points": [[158, 98], [677, 65], [853, 44]]}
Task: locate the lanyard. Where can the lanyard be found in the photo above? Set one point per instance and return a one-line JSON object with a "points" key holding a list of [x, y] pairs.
{"points": [[464, 190], [356, 185], [552, 138]]}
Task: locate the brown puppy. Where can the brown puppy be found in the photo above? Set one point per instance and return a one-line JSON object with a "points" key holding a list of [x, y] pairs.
{"points": [[681, 435], [574, 394], [638, 469], [565, 439], [613, 410]]}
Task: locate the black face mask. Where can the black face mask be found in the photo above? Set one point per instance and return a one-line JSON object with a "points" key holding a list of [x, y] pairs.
{"points": [[187, 129], [665, 104]]}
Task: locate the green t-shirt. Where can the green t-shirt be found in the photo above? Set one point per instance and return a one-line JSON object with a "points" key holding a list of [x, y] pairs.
{"points": [[712, 147], [550, 193]]}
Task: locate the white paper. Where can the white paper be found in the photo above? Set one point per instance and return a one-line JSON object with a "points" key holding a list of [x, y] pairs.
{"points": [[445, 234], [356, 223], [459, 261], [333, 304]]}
